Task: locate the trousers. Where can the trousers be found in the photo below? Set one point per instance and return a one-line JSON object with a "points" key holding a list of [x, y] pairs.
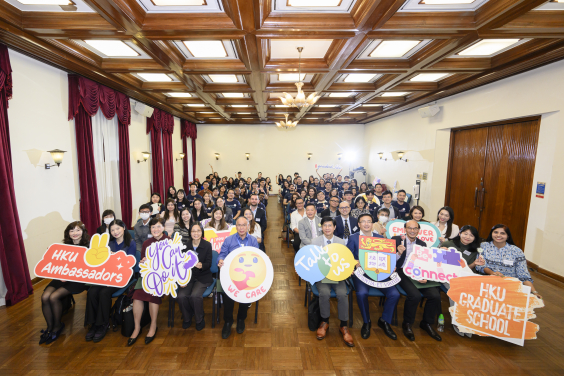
{"points": [[191, 301], [342, 300], [432, 306], [392, 298]]}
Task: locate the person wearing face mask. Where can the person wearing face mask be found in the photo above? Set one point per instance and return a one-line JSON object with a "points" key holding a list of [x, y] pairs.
{"points": [[387, 204], [141, 228], [383, 217], [99, 298], [108, 217]]}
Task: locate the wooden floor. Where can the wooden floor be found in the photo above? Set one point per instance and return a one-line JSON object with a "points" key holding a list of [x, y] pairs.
{"points": [[280, 344]]}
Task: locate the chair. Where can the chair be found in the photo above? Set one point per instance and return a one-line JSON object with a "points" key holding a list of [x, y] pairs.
{"points": [[212, 289], [372, 291], [311, 288], [132, 233]]}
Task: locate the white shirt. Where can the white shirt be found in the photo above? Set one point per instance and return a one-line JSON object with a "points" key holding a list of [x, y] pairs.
{"points": [[256, 234], [295, 217], [325, 240], [453, 233]]}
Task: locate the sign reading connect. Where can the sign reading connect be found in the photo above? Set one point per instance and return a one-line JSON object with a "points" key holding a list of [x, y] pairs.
{"points": [[334, 262]]}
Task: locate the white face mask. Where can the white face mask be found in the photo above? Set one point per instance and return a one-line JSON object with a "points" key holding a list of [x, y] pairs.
{"points": [[145, 216], [383, 219], [107, 221]]}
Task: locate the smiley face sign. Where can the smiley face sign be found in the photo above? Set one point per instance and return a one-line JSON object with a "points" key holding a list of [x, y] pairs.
{"points": [[246, 274]]}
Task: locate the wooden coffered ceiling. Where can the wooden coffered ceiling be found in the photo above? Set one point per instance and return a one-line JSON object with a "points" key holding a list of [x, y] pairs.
{"points": [[233, 58]]}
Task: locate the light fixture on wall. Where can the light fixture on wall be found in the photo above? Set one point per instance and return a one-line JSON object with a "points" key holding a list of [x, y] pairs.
{"points": [[309, 156], [217, 156], [340, 155], [400, 155], [247, 155], [381, 155], [57, 158], [146, 155], [181, 155]]}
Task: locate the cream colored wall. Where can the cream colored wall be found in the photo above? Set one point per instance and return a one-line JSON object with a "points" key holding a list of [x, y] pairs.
{"points": [[426, 143], [275, 151]]}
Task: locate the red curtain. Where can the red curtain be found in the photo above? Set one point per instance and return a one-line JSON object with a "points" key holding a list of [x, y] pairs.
{"points": [[188, 129], [85, 97], [160, 121], [12, 251], [168, 157]]}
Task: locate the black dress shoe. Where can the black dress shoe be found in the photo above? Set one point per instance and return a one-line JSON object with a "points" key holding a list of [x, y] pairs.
{"points": [[131, 340], [150, 339], [365, 331], [45, 335], [201, 325], [226, 332], [91, 333], [387, 329], [429, 329], [186, 324], [407, 331], [240, 326], [101, 332]]}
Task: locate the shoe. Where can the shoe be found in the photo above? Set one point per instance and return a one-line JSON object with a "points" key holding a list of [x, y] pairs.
{"points": [[101, 332], [226, 332], [455, 327], [201, 325], [365, 331], [53, 336], [131, 340], [91, 332], [347, 338], [407, 331], [186, 324], [45, 334], [240, 326], [430, 331], [322, 330], [387, 329], [150, 339]]}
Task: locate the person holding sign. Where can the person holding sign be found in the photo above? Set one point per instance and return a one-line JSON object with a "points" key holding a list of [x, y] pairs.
{"points": [[504, 259], [57, 290], [231, 243], [392, 294], [140, 296], [414, 289], [328, 226]]}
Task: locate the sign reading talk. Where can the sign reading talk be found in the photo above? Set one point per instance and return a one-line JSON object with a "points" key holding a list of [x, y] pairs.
{"points": [[334, 262], [95, 265], [216, 238], [493, 306], [428, 232]]}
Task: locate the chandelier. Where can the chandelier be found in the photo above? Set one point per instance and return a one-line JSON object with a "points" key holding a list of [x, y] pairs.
{"points": [[286, 124], [300, 100]]}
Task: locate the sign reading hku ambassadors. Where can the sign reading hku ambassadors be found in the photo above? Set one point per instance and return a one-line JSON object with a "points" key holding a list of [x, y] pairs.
{"points": [[95, 265], [377, 258]]}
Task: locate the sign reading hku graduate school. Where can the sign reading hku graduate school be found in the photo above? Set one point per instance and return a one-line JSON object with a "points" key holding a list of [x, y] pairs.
{"points": [[95, 265]]}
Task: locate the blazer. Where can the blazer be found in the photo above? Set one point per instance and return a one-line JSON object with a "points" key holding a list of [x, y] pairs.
{"points": [[327, 213], [320, 240], [399, 240], [306, 235], [204, 252], [354, 241], [340, 230]]}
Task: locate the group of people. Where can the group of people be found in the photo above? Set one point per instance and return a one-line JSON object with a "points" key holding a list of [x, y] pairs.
{"points": [[214, 204], [346, 215]]}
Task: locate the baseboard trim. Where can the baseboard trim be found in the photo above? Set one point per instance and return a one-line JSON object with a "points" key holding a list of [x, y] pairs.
{"points": [[36, 280], [547, 273]]}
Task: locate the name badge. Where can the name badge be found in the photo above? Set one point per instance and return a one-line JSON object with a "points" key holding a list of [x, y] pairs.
{"points": [[467, 253], [355, 228], [508, 262], [257, 219]]}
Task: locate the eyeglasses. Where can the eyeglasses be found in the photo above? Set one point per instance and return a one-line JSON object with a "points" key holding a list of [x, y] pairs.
{"points": [[412, 228], [344, 207], [365, 222]]}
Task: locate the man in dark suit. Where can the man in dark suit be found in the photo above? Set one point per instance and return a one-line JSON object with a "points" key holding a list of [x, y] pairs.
{"points": [[362, 290], [405, 246], [260, 214], [333, 209], [346, 225]]}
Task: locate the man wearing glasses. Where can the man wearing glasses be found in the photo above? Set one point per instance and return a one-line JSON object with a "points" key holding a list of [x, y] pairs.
{"points": [[392, 294], [405, 245], [332, 211], [346, 224]]}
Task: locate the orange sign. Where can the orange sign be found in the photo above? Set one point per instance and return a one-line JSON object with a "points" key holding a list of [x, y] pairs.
{"points": [[95, 265], [494, 306]]}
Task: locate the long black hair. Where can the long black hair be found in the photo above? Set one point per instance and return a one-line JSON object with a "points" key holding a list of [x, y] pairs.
{"points": [[473, 247], [181, 223], [169, 195], [450, 220], [506, 229], [126, 234]]}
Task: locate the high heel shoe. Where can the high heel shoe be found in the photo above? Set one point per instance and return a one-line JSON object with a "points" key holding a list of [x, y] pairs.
{"points": [[132, 340], [53, 336], [150, 339], [45, 335]]}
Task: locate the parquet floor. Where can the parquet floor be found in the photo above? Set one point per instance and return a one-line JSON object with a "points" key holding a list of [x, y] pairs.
{"points": [[280, 344]]}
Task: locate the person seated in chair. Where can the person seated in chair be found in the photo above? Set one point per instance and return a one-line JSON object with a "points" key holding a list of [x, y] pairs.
{"points": [[309, 227]]}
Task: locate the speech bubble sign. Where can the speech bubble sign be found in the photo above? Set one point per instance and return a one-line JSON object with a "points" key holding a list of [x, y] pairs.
{"points": [[95, 265], [246, 274], [217, 238], [429, 233], [306, 265], [334, 261]]}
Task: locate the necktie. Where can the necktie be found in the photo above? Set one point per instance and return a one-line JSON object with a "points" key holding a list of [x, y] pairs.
{"points": [[328, 241], [313, 231], [347, 230]]}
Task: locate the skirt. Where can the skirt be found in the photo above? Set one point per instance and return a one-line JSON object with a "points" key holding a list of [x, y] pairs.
{"points": [[72, 287], [140, 294]]}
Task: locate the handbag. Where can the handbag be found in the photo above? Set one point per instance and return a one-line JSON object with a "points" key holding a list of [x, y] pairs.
{"points": [[313, 314]]}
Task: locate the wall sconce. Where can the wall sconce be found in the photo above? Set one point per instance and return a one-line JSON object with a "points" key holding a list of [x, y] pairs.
{"points": [[217, 156], [181, 155], [57, 158], [340, 155], [309, 156], [381, 155], [400, 155], [247, 155], [146, 155]]}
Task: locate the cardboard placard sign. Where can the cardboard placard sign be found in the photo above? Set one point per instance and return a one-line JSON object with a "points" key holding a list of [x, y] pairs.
{"points": [[334, 262], [494, 306], [216, 238], [428, 232], [95, 265], [246, 274], [377, 258], [435, 264], [167, 267]]}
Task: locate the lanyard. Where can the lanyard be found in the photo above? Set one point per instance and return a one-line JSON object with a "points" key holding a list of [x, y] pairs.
{"points": [[245, 242]]}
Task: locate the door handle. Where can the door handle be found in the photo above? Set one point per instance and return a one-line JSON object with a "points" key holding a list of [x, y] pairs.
{"points": [[482, 199], [475, 197]]}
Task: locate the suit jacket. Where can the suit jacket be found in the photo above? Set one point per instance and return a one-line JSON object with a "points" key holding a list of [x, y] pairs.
{"points": [[304, 228], [204, 251], [354, 241], [340, 230], [327, 213], [260, 218], [320, 241], [399, 240]]}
